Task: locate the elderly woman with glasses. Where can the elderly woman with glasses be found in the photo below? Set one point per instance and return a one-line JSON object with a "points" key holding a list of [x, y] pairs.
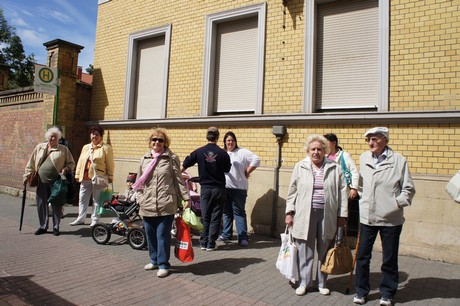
{"points": [[316, 204], [162, 186], [49, 159]]}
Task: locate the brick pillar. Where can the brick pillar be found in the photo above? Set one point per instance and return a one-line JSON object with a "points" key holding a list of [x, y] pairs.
{"points": [[64, 56]]}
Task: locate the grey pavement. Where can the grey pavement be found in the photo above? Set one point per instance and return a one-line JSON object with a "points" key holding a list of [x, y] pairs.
{"points": [[72, 269]]}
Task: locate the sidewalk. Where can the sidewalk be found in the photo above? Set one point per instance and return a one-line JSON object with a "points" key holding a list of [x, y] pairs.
{"points": [[73, 270]]}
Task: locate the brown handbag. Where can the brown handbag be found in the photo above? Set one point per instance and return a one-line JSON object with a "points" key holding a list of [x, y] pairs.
{"points": [[338, 259], [33, 179]]}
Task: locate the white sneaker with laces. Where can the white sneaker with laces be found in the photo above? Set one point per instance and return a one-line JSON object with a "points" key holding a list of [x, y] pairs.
{"points": [[301, 290]]}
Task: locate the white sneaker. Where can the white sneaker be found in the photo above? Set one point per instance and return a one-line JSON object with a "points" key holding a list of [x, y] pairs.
{"points": [[150, 266], [359, 300], [324, 291], [301, 290], [385, 301], [76, 222], [93, 223], [163, 273]]}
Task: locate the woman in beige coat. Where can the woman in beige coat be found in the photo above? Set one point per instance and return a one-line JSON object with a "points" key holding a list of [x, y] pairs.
{"points": [[96, 156], [162, 188], [316, 204]]}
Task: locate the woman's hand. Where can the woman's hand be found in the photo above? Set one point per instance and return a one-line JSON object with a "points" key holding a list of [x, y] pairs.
{"points": [[289, 219], [353, 194], [187, 204]]}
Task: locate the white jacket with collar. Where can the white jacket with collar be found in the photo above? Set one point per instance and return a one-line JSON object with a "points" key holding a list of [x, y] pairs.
{"points": [[299, 199], [383, 188]]}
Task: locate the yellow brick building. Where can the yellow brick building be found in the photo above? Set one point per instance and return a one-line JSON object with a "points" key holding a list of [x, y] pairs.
{"points": [[309, 65]]}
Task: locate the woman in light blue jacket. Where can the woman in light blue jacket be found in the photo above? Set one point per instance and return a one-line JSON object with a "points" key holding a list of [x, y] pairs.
{"points": [[316, 204]]}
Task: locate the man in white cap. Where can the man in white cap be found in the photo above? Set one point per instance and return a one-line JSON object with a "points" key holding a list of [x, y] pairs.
{"points": [[386, 187]]}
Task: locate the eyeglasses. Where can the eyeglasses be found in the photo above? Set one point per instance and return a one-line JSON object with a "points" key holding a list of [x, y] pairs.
{"points": [[373, 139], [160, 140]]}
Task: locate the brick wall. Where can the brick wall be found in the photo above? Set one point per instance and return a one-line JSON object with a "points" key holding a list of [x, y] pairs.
{"points": [[22, 129]]}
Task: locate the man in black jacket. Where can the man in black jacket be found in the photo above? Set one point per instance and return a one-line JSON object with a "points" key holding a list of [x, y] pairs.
{"points": [[213, 163]]}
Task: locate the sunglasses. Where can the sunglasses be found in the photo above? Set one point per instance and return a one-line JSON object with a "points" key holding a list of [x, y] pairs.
{"points": [[160, 140]]}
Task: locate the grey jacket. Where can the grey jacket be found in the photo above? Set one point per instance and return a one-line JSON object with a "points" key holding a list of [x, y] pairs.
{"points": [[161, 192], [382, 189], [299, 199]]}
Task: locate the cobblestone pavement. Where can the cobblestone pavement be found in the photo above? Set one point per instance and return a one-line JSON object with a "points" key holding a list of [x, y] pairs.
{"points": [[72, 269]]}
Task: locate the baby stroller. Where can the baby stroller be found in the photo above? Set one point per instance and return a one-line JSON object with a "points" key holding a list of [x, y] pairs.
{"points": [[192, 185], [130, 225]]}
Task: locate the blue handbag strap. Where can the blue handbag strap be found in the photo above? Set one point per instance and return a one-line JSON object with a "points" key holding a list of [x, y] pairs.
{"points": [[345, 169]]}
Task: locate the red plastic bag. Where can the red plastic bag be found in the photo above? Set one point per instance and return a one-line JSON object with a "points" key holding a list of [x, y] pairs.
{"points": [[183, 249]]}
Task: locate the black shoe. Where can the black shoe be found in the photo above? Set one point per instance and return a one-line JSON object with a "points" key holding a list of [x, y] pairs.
{"points": [[40, 231], [56, 232]]}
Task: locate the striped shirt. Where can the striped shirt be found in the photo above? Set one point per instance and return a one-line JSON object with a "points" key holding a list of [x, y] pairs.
{"points": [[318, 187]]}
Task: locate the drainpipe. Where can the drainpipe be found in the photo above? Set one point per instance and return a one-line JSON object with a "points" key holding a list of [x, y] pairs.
{"points": [[279, 131]]}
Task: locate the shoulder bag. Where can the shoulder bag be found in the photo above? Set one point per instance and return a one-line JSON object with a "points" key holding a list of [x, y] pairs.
{"points": [[99, 181], [338, 259], [34, 177]]}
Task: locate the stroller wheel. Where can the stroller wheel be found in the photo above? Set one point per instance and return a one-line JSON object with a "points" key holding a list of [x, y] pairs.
{"points": [[136, 238], [101, 233]]}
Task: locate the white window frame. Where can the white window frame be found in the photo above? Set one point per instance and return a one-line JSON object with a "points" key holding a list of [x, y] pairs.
{"points": [[209, 54], [309, 105], [131, 71]]}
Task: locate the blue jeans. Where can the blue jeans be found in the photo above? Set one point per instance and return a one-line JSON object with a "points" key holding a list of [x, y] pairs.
{"points": [[158, 231], [212, 202], [390, 249], [234, 209]]}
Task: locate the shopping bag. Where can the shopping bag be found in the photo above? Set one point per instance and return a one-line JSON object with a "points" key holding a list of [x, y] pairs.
{"points": [[191, 219], [59, 189], [453, 187], [338, 259], [104, 201], [287, 257], [183, 249]]}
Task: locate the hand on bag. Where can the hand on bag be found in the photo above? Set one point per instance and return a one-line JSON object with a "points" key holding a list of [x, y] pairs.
{"points": [[25, 181], [187, 204]]}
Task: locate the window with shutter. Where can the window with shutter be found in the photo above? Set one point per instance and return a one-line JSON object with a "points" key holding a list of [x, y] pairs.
{"points": [[147, 74], [233, 69], [346, 55]]}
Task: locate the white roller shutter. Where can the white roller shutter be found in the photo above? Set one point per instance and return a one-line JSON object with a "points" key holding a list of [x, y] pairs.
{"points": [[150, 77], [236, 66], [347, 74]]}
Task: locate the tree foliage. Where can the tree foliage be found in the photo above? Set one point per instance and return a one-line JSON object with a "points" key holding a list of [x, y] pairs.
{"points": [[12, 54], [90, 69]]}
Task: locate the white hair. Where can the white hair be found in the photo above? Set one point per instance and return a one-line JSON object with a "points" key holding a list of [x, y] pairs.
{"points": [[320, 138], [53, 131]]}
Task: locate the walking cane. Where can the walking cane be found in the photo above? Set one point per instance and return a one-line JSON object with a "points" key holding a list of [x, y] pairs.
{"points": [[24, 194], [350, 280]]}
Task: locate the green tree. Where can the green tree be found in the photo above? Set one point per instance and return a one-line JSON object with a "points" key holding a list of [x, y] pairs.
{"points": [[12, 54], [90, 69]]}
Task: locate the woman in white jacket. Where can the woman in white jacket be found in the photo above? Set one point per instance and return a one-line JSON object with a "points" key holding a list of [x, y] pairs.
{"points": [[316, 204]]}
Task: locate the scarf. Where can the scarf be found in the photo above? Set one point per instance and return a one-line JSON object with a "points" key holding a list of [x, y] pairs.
{"points": [[141, 181]]}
